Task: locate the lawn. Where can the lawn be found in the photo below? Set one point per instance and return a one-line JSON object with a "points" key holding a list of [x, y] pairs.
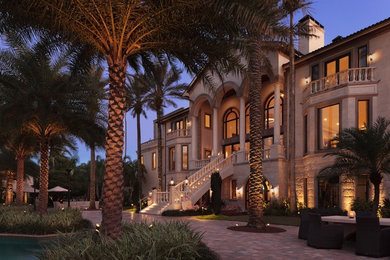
{"points": [[277, 220]]}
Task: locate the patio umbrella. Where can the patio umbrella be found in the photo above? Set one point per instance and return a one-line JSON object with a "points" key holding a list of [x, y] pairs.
{"points": [[58, 189]]}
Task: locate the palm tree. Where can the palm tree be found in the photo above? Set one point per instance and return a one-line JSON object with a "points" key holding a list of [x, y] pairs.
{"points": [[39, 94], [22, 144], [93, 134], [196, 32], [290, 7], [363, 152], [137, 101], [164, 87]]}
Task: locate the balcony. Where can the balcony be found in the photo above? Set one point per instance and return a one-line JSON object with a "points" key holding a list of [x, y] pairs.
{"points": [[179, 133], [354, 76]]}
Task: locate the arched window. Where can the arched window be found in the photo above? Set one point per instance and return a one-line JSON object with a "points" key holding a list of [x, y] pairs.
{"points": [[269, 112], [247, 123], [230, 123]]}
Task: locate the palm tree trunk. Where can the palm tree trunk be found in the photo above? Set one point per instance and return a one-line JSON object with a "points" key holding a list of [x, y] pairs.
{"points": [[10, 193], [159, 151], [376, 198], [113, 177], [43, 177], [92, 174], [19, 180], [139, 164], [291, 117], [256, 177]]}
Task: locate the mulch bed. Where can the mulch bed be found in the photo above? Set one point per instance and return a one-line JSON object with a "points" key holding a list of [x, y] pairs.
{"points": [[268, 229]]}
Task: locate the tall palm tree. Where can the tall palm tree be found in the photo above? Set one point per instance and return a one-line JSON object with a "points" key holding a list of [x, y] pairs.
{"points": [[363, 152], [164, 88], [195, 31], [93, 134], [290, 7], [22, 144], [137, 101], [43, 97]]}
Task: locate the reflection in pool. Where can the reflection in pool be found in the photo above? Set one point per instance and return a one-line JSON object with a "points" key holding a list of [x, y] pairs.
{"points": [[20, 248]]}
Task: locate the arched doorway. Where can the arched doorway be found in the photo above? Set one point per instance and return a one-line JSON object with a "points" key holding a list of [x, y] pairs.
{"points": [[266, 193]]}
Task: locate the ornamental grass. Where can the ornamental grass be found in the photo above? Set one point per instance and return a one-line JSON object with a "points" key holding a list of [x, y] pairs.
{"points": [[174, 240], [24, 220]]}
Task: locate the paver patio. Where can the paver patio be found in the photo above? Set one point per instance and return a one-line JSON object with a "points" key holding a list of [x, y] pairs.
{"points": [[240, 245]]}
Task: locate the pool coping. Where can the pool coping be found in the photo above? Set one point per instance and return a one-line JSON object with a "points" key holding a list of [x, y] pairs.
{"points": [[13, 235]]}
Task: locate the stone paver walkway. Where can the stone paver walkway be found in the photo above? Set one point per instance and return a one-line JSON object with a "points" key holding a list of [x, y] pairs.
{"points": [[231, 245]]}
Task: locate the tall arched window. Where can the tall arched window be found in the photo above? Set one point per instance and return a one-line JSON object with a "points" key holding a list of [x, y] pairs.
{"points": [[269, 112], [247, 123], [230, 123]]}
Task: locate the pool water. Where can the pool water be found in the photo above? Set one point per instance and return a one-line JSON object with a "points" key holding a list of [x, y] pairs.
{"points": [[20, 248]]}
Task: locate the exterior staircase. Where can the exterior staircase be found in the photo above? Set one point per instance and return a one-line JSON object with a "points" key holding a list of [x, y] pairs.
{"points": [[191, 189]]}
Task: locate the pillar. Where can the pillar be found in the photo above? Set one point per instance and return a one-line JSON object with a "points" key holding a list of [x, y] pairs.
{"points": [[242, 124], [215, 131], [277, 114], [194, 138]]}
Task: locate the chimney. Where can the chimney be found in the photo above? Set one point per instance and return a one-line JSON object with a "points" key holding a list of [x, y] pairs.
{"points": [[309, 44]]}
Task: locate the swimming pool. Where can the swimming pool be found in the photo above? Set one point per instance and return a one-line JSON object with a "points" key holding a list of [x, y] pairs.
{"points": [[20, 248]]}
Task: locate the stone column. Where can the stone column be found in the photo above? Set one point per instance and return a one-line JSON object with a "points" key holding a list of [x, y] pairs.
{"points": [[215, 131], [242, 124], [277, 114], [194, 138]]}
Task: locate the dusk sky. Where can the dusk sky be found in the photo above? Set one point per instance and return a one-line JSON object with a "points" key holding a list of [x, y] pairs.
{"points": [[339, 17]]}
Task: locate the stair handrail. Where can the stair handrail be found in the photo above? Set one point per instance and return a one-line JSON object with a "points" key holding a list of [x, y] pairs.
{"points": [[195, 179]]}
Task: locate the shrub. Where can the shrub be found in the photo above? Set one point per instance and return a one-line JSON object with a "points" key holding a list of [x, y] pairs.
{"points": [[174, 240], [384, 210], [23, 220], [362, 205], [216, 201], [190, 212], [277, 208]]}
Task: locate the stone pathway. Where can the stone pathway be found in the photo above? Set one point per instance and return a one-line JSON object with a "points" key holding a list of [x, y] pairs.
{"points": [[231, 245]]}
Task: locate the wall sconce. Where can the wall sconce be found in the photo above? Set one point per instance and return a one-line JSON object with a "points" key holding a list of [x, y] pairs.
{"points": [[169, 130], [186, 181], [171, 182], [307, 80], [371, 57]]}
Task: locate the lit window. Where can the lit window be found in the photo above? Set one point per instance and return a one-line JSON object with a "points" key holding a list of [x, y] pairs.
{"points": [[154, 160], [230, 123], [207, 120], [362, 114], [329, 126], [184, 157], [142, 159], [269, 112], [207, 154], [172, 158]]}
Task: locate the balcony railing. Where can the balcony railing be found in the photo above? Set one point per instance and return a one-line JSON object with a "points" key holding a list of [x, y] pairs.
{"points": [[350, 76], [179, 133]]}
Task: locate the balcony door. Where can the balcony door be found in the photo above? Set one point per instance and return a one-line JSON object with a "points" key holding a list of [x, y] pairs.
{"points": [[341, 64]]}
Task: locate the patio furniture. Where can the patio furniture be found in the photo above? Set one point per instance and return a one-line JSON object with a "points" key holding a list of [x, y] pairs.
{"points": [[324, 235], [304, 224], [371, 240]]}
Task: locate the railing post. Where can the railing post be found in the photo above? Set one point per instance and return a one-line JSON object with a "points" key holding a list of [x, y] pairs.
{"points": [[171, 194], [154, 196]]}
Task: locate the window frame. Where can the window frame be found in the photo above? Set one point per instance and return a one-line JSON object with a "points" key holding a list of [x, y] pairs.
{"points": [[267, 109], [319, 133], [368, 100], [337, 59], [182, 157], [305, 135], [210, 123], [171, 158], [225, 121], [154, 163], [358, 55]]}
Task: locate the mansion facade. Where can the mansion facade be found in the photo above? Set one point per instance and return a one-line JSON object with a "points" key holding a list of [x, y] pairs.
{"points": [[344, 84]]}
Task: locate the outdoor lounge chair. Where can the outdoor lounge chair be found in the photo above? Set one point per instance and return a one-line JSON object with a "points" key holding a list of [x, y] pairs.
{"points": [[371, 240], [304, 224], [324, 235]]}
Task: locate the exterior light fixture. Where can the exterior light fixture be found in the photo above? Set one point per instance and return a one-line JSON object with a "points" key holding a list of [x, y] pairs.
{"points": [[371, 57], [171, 182], [307, 80], [186, 181]]}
